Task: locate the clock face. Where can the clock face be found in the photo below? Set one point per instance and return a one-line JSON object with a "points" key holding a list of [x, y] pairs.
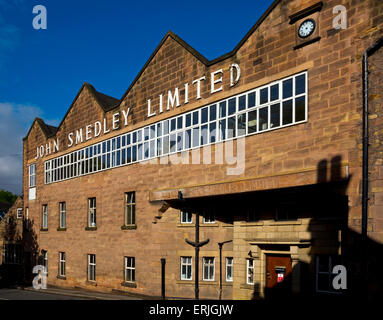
{"points": [[306, 28]]}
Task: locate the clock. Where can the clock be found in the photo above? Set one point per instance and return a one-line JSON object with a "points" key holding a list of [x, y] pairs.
{"points": [[306, 28]]}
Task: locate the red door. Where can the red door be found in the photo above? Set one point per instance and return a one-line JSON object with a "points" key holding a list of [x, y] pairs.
{"points": [[278, 275]]}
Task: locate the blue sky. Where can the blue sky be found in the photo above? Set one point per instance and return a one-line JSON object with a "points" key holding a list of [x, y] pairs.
{"points": [[102, 42]]}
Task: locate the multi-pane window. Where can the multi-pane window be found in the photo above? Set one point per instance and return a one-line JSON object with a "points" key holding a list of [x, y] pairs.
{"points": [[32, 175], [229, 269], [12, 254], [130, 208], [44, 255], [19, 213], [278, 104], [250, 271], [130, 269], [286, 211], [62, 262], [324, 275], [186, 217], [91, 212], [91, 267], [208, 268], [45, 217], [62, 213], [209, 216], [186, 268]]}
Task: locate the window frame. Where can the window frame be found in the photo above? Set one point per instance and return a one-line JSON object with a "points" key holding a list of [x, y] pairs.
{"points": [[229, 266], [91, 267], [187, 265], [92, 212], [130, 268], [32, 175], [62, 264], [250, 268], [184, 214], [210, 266], [62, 212], [130, 209], [44, 221]]}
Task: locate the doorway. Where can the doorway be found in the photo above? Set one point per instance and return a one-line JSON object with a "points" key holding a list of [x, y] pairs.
{"points": [[278, 276]]}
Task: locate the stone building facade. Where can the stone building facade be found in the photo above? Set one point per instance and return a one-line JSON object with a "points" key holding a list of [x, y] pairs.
{"points": [[263, 144]]}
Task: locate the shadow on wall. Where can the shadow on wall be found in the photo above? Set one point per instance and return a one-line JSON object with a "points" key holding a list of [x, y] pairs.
{"points": [[17, 270], [332, 243]]}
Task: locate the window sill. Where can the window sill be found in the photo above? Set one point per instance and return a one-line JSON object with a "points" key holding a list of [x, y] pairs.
{"points": [[44, 229], [285, 222], [61, 277], [90, 228], [185, 225], [213, 224], [129, 227], [247, 286], [61, 229], [129, 284]]}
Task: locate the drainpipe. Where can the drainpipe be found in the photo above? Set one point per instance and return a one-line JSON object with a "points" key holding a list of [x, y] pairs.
{"points": [[370, 51]]}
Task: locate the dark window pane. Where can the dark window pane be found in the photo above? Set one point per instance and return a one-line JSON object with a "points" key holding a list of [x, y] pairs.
{"points": [[146, 133], [287, 112], [204, 115], [241, 124], [264, 95], [213, 132], [287, 88], [275, 116], [274, 92], [231, 127], [152, 131], [159, 129], [263, 118], [232, 106], [179, 122], [213, 112], [222, 109], [300, 84], [195, 117], [134, 138], [222, 129], [241, 103], [188, 120], [172, 124], [127, 141], [251, 100], [300, 110], [252, 121]]}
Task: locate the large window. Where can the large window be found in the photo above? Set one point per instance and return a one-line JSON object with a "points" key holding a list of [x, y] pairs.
{"points": [[92, 212], [91, 267], [12, 254], [130, 269], [208, 269], [32, 175], [45, 217], [209, 216], [250, 271], [229, 269], [62, 208], [62, 263], [186, 268], [324, 275], [278, 104], [130, 208]]}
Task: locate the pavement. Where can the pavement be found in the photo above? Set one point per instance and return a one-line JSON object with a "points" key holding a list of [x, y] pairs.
{"points": [[53, 293]]}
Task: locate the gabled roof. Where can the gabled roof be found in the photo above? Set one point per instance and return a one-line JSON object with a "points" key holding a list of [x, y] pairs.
{"points": [[108, 103], [48, 130]]}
